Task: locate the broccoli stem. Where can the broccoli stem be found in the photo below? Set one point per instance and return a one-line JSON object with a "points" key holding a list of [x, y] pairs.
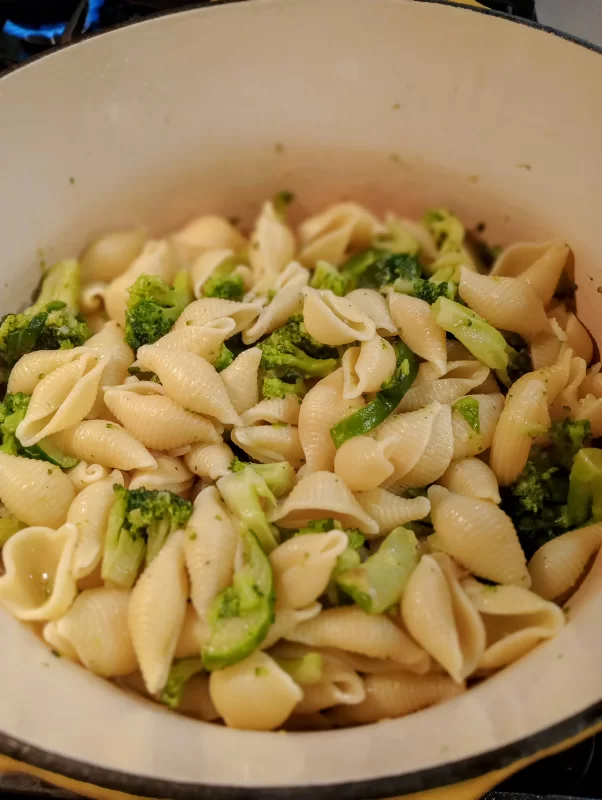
{"points": [[584, 500], [179, 674], [60, 284], [306, 671], [483, 340], [384, 404]]}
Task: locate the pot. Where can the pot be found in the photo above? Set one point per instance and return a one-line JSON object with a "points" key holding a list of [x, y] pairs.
{"points": [[396, 104]]}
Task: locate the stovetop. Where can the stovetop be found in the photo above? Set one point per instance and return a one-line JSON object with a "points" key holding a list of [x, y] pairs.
{"points": [[31, 27]]}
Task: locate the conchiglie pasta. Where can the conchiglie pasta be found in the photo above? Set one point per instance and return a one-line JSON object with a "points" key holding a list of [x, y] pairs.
{"points": [[84, 474], [208, 309], [209, 232], [170, 475], [209, 461], [270, 443], [577, 337], [558, 565], [157, 259], [286, 620], [389, 510], [350, 628], [34, 491], [538, 264], [241, 380], [302, 566], [272, 246], [287, 300], [156, 611], [418, 329], [190, 381], [364, 463], [367, 367], [117, 356], [395, 695], [209, 549], [38, 583], [472, 477], [89, 513], [506, 303], [104, 443], [108, 256], [322, 407], [255, 694], [441, 618], [458, 379], [320, 495], [515, 620], [334, 320], [326, 236], [274, 410], [203, 340], [374, 305], [61, 399], [479, 535], [339, 686], [96, 628], [31, 368], [154, 419], [207, 262]]}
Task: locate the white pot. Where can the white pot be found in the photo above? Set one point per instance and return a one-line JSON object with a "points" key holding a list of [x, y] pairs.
{"points": [[399, 105]]}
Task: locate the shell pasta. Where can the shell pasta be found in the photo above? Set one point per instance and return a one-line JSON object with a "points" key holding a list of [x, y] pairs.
{"points": [[299, 478]]}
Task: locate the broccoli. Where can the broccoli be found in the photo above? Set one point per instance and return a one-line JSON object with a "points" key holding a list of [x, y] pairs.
{"points": [[539, 501], [225, 282], [279, 476], [153, 307], [305, 670], [398, 239], [179, 674], [449, 236], [519, 358], [224, 358], [584, 501], [326, 276], [375, 268], [275, 387], [247, 495], [53, 322], [12, 411], [469, 407], [483, 340], [139, 523], [290, 350], [428, 290]]}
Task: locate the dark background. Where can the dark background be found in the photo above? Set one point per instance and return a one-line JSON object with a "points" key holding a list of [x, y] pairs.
{"points": [[30, 27]]}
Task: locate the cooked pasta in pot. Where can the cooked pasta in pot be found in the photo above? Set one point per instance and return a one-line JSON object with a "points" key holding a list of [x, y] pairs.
{"points": [[299, 479]]}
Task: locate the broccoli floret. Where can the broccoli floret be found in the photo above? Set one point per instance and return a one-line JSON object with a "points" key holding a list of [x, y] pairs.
{"points": [[153, 307], [249, 498], [12, 411], [375, 268], [279, 476], [483, 340], [52, 322], [275, 387], [224, 358], [179, 674], [398, 239], [224, 282], [428, 290], [326, 276], [291, 350], [519, 358], [539, 501], [449, 236], [139, 524]]}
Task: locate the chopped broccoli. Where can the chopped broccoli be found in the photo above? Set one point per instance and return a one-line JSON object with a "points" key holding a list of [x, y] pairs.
{"points": [[276, 387], [153, 307], [519, 358], [539, 501], [584, 502], [225, 282], [306, 670], [397, 239], [224, 358], [240, 616], [290, 350], [449, 236], [428, 290], [179, 674], [247, 495], [12, 411], [469, 407], [139, 523], [52, 322], [279, 476], [379, 582], [483, 340], [374, 268], [326, 276]]}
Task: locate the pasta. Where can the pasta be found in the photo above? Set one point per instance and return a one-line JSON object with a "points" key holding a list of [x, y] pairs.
{"points": [[344, 473]]}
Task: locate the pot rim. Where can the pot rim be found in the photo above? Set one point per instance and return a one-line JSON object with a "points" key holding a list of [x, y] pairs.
{"points": [[445, 774]]}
